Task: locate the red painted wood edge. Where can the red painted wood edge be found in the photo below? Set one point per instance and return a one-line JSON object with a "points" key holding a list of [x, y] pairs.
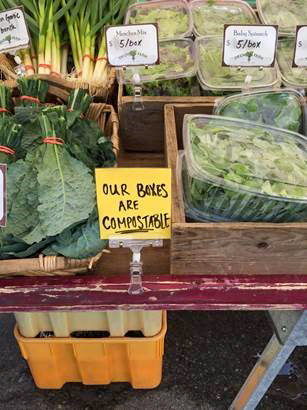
{"points": [[160, 292]]}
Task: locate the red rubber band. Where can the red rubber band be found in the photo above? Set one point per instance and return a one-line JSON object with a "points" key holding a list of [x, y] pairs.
{"points": [[7, 150], [28, 98], [101, 59], [3, 110], [45, 65], [53, 140], [88, 56]]}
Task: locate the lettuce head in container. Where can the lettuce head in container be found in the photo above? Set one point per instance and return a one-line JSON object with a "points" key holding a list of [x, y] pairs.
{"points": [[173, 17], [210, 16], [242, 171], [217, 78], [283, 108], [291, 76], [177, 60], [287, 14]]}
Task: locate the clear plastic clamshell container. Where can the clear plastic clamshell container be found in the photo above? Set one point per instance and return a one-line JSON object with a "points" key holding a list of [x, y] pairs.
{"points": [[173, 17], [245, 172], [287, 14], [185, 187], [213, 76], [177, 60], [291, 76], [209, 17], [282, 108]]}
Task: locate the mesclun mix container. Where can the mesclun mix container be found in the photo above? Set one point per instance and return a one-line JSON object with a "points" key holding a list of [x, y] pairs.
{"points": [[283, 108], [209, 17], [177, 60], [215, 78], [291, 76], [173, 17], [286, 14], [245, 172]]}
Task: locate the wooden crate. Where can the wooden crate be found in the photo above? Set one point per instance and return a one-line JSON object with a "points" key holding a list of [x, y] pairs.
{"points": [[227, 248], [143, 130]]}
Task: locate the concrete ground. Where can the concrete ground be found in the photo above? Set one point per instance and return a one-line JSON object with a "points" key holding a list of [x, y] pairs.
{"points": [[207, 358]]}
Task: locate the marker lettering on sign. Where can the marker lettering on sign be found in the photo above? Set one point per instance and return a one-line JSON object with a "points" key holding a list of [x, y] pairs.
{"points": [[13, 30], [134, 203], [300, 48]]}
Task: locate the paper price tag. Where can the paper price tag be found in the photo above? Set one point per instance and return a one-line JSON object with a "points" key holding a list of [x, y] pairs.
{"points": [[14, 33], [300, 51], [249, 45], [132, 45], [3, 170], [134, 203]]}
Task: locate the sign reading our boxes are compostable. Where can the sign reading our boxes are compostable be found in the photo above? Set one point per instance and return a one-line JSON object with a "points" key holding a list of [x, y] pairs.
{"points": [[134, 203]]}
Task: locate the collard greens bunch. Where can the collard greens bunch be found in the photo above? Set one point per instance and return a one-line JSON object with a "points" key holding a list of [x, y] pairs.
{"points": [[51, 201]]}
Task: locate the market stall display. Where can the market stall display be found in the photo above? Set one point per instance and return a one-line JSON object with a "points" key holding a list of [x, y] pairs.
{"points": [[209, 17]]}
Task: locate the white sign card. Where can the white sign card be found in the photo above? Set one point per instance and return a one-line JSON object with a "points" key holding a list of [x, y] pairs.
{"points": [[249, 45], [132, 45], [3, 170], [300, 51], [14, 33]]}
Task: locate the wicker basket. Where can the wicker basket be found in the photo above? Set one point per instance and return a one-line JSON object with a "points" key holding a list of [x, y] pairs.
{"points": [[107, 119], [61, 84]]}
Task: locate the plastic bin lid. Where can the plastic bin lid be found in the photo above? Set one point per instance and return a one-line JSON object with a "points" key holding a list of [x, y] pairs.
{"points": [[177, 60], [246, 157], [282, 108], [286, 14], [212, 75], [293, 76], [173, 17], [209, 17]]}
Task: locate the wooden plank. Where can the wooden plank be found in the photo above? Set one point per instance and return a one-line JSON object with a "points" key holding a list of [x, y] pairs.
{"points": [[239, 248], [160, 292]]}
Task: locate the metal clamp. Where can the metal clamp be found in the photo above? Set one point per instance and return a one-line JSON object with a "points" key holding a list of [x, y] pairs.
{"points": [[136, 265]]}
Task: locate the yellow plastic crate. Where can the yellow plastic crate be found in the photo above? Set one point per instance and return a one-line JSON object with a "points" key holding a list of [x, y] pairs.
{"points": [[116, 322], [56, 361]]}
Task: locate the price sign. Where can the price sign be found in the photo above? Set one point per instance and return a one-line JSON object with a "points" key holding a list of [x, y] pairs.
{"points": [[3, 170], [132, 45], [300, 51], [134, 203], [14, 33], [249, 45]]}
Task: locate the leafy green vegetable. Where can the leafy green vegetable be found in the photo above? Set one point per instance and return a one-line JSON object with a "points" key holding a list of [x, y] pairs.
{"points": [[176, 60], [279, 109], [174, 88], [294, 76], [10, 140], [209, 18], [245, 172], [172, 19], [215, 77], [286, 14], [32, 87]]}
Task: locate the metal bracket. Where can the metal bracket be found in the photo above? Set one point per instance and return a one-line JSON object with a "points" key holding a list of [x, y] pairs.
{"points": [[136, 265]]}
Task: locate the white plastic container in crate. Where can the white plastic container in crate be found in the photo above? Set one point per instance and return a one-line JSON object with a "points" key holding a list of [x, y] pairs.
{"points": [[116, 322]]}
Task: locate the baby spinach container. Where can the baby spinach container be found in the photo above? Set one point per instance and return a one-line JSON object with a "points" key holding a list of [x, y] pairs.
{"points": [[209, 17], [241, 171], [282, 108]]}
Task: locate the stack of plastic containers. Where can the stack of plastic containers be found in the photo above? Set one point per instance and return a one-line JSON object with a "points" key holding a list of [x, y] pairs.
{"points": [[235, 170], [93, 347]]}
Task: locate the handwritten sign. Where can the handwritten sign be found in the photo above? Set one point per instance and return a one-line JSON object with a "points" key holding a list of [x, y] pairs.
{"points": [[3, 170], [14, 33], [249, 45], [300, 51], [132, 45], [134, 203]]}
